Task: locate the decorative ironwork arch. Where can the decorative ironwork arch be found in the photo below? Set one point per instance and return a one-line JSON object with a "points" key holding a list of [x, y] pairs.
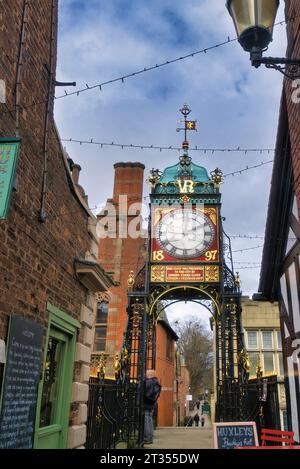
{"points": [[202, 291], [198, 302]]}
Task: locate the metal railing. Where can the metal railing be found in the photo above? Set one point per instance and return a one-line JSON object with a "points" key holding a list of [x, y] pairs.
{"points": [[111, 417]]}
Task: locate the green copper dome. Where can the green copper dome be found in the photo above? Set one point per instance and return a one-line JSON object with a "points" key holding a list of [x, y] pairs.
{"points": [[195, 172]]}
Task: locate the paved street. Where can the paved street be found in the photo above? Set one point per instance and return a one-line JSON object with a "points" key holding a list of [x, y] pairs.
{"points": [[182, 438]]}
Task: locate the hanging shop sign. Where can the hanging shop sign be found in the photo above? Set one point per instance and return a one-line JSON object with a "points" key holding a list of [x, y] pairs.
{"points": [[9, 151]]}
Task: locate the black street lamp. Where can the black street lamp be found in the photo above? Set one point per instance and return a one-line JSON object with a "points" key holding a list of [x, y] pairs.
{"points": [[254, 22]]}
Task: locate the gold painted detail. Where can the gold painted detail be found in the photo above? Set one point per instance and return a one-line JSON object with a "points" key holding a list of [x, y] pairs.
{"points": [[259, 370], [237, 281], [186, 186], [212, 213], [185, 273], [158, 274], [205, 292], [130, 281], [117, 366], [244, 361], [153, 179], [101, 367], [185, 199], [217, 177], [136, 319], [125, 356]]}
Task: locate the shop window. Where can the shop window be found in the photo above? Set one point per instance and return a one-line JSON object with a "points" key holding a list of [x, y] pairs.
{"points": [[268, 362], [102, 313], [101, 327], [280, 363], [267, 340], [279, 340], [252, 340], [253, 357], [100, 338]]}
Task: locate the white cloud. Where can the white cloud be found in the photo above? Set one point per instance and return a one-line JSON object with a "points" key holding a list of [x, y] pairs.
{"points": [[235, 104]]}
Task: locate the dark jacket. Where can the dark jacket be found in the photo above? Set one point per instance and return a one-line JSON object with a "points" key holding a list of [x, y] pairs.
{"points": [[151, 385]]}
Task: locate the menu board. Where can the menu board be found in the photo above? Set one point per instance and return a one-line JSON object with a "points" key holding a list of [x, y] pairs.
{"points": [[230, 435], [20, 384]]}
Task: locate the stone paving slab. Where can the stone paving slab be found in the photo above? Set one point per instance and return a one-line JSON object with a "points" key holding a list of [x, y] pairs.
{"points": [[182, 438]]}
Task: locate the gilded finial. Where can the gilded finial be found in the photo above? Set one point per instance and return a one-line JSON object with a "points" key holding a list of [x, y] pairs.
{"points": [[130, 281], [217, 178], [117, 366], [259, 371], [101, 367], [247, 363], [232, 306], [237, 281], [153, 179], [125, 356]]}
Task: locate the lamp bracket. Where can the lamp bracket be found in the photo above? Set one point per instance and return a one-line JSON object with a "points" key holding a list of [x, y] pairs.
{"points": [[291, 70], [288, 67], [63, 83]]}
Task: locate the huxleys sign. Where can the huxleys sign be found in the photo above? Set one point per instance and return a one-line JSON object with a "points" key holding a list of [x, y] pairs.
{"points": [[9, 150]]}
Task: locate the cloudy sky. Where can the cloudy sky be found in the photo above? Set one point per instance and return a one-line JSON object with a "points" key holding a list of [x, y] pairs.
{"points": [[235, 105]]}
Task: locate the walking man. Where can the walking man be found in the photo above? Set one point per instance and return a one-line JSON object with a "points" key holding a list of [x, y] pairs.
{"points": [[152, 392], [202, 421], [196, 420]]}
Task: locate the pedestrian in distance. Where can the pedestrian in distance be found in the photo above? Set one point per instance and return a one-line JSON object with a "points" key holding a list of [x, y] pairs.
{"points": [[151, 394], [202, 421], [196, 420], [189, 422]]}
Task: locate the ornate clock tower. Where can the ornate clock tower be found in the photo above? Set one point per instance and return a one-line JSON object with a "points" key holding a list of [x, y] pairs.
{"points": [[189, 259]]}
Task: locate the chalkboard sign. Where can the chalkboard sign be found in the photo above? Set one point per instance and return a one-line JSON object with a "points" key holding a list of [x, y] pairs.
{"points": [[229, 435], [20, 385]]}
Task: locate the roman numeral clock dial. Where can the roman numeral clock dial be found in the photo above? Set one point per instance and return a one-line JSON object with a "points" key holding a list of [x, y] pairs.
{"points": [[185, 233]]}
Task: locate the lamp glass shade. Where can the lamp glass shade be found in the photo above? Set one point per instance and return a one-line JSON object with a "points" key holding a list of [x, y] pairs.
{"points": [[254, 21]]}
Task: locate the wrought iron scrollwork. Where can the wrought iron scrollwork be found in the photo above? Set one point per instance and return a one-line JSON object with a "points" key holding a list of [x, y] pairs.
{"points": [[291, 71]]}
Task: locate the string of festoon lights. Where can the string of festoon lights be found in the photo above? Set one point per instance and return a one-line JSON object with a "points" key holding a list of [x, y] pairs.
{"points": [[247, 263], [162, 64], [249, 249], [211, 151], [143, 70]]}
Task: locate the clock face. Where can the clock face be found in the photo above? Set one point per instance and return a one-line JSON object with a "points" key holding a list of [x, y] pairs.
{"points": [[185, 233]]}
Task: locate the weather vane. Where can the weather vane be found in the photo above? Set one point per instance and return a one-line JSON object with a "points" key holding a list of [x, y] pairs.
{"points": [[188, 125]]}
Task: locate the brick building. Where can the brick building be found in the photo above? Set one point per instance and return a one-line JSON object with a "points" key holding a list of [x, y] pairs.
{"points": [[182, 389], [49, 248], [120, 255], [280, 274], [166, 370]]}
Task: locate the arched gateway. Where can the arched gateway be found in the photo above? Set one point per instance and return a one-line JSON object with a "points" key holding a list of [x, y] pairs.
{"points": [[189, 258]]}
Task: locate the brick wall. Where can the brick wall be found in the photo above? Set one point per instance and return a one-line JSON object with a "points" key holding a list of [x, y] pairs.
{"points": [[292, 10], [37, 259], [184, 383], [121, 255], [165, 369]]}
